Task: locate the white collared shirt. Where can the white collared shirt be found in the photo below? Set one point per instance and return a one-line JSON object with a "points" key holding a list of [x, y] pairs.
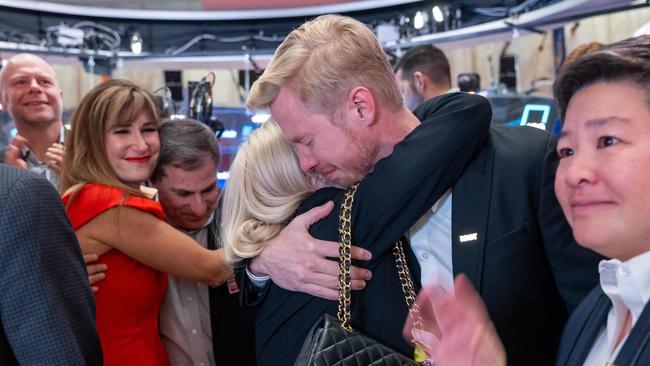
{"points": [[627, 286], [185, 326], [430, 239], [431, 242]]}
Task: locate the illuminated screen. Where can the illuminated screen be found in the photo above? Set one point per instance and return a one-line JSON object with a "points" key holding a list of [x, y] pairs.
{"points": [[535, 113]]}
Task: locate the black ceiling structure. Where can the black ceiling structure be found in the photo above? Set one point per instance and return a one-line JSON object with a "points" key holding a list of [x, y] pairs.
{"points": [[109, 35]]}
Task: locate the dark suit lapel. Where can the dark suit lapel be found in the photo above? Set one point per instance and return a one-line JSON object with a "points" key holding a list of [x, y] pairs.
{"points": [[637, 341], [469, 217], [588, 325]]}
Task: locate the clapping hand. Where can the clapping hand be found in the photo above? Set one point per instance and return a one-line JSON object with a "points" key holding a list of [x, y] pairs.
{"points": [[13, 154], [55, 154], [455, 329]]}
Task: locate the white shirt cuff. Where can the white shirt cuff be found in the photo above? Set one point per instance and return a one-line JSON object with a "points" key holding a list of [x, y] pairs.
{"points": [[258, 281]]}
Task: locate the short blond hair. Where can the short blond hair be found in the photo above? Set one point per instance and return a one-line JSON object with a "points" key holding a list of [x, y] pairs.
{"points": [[322, 60], [265, 187]]}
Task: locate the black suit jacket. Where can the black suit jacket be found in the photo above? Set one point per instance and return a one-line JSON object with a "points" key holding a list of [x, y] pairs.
{"points": [[388, 201], [525, 263], [47, 311], [233, 337], [585, 324]]}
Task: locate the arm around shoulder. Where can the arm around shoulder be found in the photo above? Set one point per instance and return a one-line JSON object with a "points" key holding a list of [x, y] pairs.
{"points": [[157, 244]]}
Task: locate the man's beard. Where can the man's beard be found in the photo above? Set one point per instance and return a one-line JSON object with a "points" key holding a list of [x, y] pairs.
{"points": [[40, 122], [365, 153]]}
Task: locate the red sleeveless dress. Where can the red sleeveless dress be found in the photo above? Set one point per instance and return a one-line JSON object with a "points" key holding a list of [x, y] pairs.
{"points": [[128, 300]]}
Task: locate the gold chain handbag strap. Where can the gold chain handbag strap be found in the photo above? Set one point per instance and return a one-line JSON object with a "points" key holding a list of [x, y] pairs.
{"points": [[407, 284], [345, 261]]}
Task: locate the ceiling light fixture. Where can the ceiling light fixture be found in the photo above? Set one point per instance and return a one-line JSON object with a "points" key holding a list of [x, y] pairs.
{"points": [[136, 43], [437, 14], [418, 20]]}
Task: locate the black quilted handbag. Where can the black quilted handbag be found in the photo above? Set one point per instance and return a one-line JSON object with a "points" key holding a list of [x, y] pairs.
{"points": [[328, 344], [331, 341]]}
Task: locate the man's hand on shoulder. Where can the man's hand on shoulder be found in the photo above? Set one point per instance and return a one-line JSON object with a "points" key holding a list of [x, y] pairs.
{"points": [[296, 261]]}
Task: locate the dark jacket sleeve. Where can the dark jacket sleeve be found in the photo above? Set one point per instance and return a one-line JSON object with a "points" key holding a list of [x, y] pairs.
{"points": [[46, 305], [422, 167], [249, 295], [574, 267], [425, 165]]}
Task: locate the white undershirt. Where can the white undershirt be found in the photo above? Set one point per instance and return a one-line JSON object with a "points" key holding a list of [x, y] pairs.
{"points": [[431, 242], [628, 287], [185, 326], [430, 239]]}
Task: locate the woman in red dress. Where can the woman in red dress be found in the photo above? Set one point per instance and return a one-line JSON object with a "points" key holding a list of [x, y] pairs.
{"points": [[112, 150]]}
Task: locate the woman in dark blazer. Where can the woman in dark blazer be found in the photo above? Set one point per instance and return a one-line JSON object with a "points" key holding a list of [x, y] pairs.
{"points": [[602, 186], [399, 190]]}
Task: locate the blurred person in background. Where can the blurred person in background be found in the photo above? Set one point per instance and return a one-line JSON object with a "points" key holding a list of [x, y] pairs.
{"points": [[30, 92], [422, 73], [572, 57]]}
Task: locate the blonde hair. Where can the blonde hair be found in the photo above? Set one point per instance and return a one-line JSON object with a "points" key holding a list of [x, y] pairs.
{"points": [[112, 102], [265, 188], [322, 60]]}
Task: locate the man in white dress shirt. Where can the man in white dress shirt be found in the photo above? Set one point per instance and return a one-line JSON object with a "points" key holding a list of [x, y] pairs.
{"points": [[199, 326]]}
